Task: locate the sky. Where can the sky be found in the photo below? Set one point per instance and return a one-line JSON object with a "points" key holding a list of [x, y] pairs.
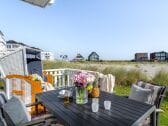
{"points": [[115, 29]]}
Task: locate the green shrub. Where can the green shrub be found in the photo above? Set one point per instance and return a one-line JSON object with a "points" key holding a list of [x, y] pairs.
{"points": [[60, 64], [2, 83], [73, 65], [124, 77], [89, 67], [161, 78]]}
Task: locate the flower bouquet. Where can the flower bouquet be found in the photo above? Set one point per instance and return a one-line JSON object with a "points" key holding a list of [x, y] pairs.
{"points": [[83, 82]]}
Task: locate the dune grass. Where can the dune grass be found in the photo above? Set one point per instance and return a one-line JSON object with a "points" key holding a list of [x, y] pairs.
{"points": [[123, 77], [161, 78]]}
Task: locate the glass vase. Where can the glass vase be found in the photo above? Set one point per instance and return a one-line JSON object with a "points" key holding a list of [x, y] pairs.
{"points": [[81, 95]]}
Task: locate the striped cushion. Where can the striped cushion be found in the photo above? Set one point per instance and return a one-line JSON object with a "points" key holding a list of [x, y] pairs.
{"points": [[15, 112], [3, 100], [140, 94], [2, 122], [154, 88], [155, 91]]}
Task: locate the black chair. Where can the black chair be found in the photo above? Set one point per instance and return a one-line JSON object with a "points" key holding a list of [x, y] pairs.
{"points": [[157, 95], [6, 118]]}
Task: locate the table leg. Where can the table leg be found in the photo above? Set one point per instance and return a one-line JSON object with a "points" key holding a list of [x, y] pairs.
{"points": [[153, 119], [44, 109], [157, 119], [36, 107]]}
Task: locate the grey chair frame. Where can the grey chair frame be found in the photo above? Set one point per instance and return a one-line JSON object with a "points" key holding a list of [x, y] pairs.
{"points": [[160, 97], [158, 104]]}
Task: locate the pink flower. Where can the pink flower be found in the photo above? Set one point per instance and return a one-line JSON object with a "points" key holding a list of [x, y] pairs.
{"points": [[81, 79]]}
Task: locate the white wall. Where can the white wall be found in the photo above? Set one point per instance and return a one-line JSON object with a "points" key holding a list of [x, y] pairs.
{"points": [[2, 46], [47, 56]]}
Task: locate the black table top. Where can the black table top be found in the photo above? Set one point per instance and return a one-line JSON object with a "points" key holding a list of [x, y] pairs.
{"points": [[124, 112]]}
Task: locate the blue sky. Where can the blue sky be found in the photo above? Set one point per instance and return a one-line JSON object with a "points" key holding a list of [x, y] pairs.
{"points": [[115, 29]]}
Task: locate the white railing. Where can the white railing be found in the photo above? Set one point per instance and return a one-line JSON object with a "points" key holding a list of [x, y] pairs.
{"points": [[63, 78]]}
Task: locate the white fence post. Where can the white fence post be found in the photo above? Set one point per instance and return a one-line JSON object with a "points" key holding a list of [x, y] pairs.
{"points": [[7, 90]]}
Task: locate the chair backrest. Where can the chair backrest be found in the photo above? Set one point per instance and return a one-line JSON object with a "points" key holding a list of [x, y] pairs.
{"points": [[161, 96], [3, 100], [23, 87], [158, 92], [15, 113]]}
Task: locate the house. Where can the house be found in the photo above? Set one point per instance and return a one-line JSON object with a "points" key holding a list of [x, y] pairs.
{"points": [[159, 56], [78, 57], [64, 57], [2, 45], [14, 45], [141, 57], [93, 57], [46, 55]]}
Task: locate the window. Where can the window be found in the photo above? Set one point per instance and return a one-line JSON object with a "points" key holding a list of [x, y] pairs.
{"points": [[163, 54], [15, 46], [9, 46], [162, 58]]}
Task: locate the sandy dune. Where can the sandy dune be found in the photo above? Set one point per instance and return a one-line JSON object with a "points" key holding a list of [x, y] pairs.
{"points": [[149, 69]]}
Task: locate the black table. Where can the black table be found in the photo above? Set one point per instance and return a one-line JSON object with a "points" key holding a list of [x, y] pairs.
{"points": [[124, 112]]}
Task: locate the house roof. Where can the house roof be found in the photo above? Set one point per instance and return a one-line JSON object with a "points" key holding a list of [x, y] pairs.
{"points": [[142, 53], [14, 42], [160, 52], [93, 53], [79, 56], [20, 43]]}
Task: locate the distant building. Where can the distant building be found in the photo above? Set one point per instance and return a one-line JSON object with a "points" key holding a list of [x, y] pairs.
{"points": [[93, 57], [64, 57], [141, 57], [47, 55], [79, 57], [159, 56], [14, 45], [2, 45]]}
